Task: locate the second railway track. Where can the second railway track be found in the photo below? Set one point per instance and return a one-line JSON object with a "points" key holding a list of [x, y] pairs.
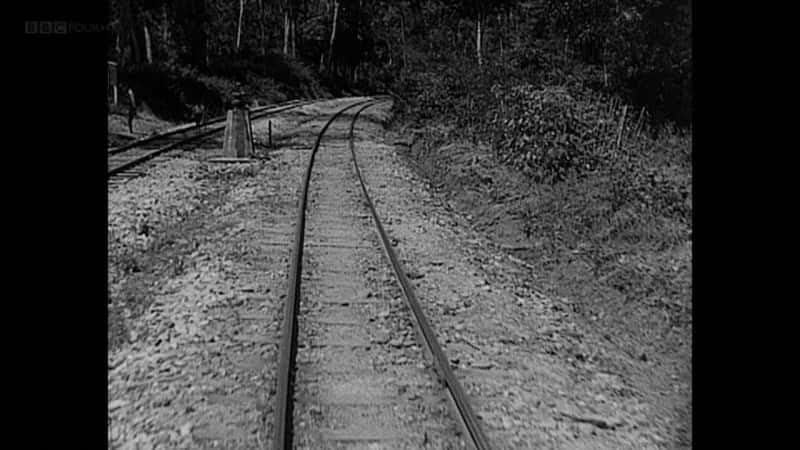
{"points": [[350, 372], [124, 161]]}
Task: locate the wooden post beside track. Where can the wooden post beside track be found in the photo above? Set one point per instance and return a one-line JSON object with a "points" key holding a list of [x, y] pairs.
{"points": [[238, 140]]}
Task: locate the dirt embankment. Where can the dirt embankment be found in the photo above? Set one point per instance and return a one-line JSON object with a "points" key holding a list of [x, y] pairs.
{"points": [[632, 298]]}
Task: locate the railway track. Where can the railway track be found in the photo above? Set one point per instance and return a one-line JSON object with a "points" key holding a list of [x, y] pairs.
{"points": [[350, 371], [124, 161]]}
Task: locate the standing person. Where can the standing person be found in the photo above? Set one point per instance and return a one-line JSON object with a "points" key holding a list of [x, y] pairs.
{"points": [[131, 109]]}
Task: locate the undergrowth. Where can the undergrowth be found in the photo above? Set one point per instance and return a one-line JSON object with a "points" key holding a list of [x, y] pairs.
{"points": [[171, 89], [598, 182]]}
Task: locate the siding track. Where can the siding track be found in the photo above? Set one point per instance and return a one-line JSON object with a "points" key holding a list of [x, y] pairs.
{"points": [[124, 159]]}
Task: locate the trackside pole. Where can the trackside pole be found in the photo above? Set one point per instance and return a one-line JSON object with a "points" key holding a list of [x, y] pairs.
{"points": [[238, 140]]}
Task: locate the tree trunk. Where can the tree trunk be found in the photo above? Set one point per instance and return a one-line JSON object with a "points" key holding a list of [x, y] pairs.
{"points": [[286, 32], [148, 48], [239, 27], [479, 38], [333, 33], [128, 33], [289, 28], [293, 37]]}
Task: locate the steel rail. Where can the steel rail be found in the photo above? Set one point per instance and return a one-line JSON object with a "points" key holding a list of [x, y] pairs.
{"points": [[465, 414], [288, 346], [152, 154], [189, 127]]}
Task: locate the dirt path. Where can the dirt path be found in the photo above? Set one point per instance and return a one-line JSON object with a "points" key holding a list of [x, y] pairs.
{"points": [[194, 362]]}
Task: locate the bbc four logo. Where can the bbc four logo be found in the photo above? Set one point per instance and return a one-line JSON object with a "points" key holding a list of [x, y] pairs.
{"points": [[46, 27], [50, 27]]}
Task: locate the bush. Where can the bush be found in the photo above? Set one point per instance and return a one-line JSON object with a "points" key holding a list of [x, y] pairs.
{"points": [[593, 181], [551, 135], [548, 134]]}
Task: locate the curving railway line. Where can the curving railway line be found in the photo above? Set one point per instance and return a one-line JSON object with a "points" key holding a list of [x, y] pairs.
{"points": [[350, 372]]}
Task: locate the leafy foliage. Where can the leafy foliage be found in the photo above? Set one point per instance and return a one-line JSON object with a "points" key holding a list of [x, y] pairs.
{"points": [[548, 134], [552, 136]]}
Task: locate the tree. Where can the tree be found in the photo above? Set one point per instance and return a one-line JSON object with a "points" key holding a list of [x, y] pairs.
{"points": [[334, 21], [479, 10], [289, 27], [239, 26], [127, 43]]}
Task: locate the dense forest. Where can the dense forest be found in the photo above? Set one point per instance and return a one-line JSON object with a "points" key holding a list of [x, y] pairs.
{"points": [[638, 50]]}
